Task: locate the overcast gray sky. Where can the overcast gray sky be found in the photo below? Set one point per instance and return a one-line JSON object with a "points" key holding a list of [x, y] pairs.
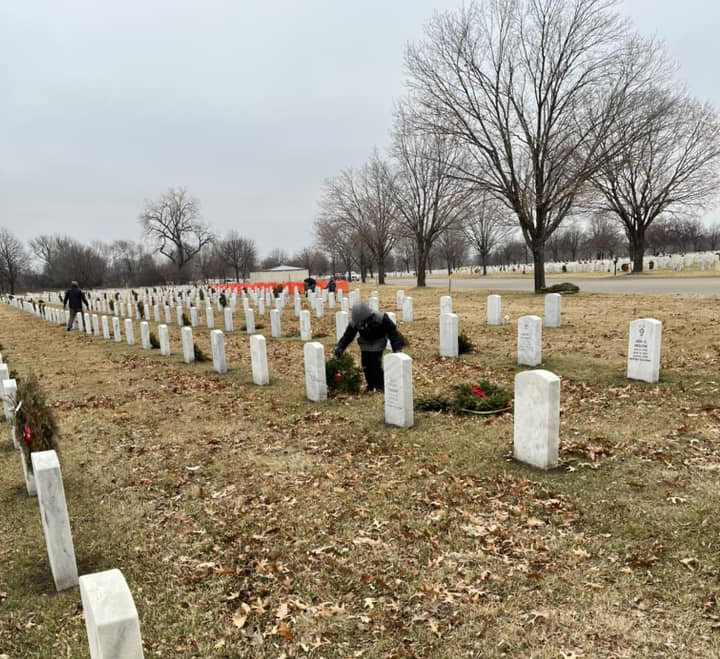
{"points": [[249, 104]]}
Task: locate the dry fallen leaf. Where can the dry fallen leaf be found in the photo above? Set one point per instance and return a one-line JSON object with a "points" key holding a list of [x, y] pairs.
{"points": [[239, 619]]}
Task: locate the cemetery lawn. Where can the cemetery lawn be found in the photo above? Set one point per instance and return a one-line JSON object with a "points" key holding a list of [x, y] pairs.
{"points": [[250, 522]]}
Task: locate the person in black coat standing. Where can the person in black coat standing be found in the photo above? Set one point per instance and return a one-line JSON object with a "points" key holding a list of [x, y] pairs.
{"points": [[375, 330], [75, 298]]}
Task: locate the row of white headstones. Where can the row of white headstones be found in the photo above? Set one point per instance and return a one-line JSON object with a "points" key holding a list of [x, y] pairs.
{"points": [[111, 618]]}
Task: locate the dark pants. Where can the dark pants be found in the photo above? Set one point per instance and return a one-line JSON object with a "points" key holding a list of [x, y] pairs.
{"points": [[372, 367], [71, 320]]}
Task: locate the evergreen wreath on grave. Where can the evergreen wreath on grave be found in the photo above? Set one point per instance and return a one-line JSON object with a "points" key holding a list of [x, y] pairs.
{"points": [[481, 398], [201, 294], [277, 290], [200, 356], [465, 345], [185, 320], [141, 309], [111, 304], [35, 422], [402, 339], [243, 328], [222, 300], [342, 375], [154, 343]]}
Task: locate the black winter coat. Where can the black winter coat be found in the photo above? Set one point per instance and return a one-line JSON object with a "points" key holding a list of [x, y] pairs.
{"points": [[374, 336], [75, 298]]}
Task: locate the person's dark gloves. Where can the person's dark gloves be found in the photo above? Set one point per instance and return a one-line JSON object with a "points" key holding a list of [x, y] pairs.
{"points": [[337, 352]]}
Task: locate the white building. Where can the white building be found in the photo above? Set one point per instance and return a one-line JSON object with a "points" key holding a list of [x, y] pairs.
{"points": [[280, 274]]}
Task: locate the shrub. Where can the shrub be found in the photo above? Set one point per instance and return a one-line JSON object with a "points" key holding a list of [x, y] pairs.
{"points": [[141, 309], [35, 420], [481, 398], [200, 356], [277, 290], [465, 345], [565, 287], [154, 342], [185, 320], [201, 294], [111, 304], [243, 328], [223, 300], [343, 375], [403, 339]]}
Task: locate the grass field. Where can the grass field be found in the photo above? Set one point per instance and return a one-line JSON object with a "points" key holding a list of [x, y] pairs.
{"points": [[315, 530]]}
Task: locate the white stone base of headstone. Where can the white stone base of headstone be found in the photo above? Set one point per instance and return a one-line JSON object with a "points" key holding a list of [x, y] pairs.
{"points": [[188, 349], [111, 619], [494, 310], [397, 368], [553, 306], [529, 341], [315, 382], [217, 344], [55, 520], [448, 335], [164, 340], [258, 359], [537, 418], [644, 342]]}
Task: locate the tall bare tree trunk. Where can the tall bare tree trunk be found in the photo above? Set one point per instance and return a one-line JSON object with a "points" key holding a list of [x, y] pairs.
{"points": [[538, 252]]}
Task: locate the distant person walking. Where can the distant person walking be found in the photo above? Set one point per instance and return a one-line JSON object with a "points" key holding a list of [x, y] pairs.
{"points": [[75, 298], [375, 330]]}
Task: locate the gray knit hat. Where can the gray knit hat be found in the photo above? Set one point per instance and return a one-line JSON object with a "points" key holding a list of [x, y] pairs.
{"points": [[360, 313]]}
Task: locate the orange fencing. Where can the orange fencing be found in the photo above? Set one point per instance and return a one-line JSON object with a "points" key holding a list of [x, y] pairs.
{"points": [[340, 285]]}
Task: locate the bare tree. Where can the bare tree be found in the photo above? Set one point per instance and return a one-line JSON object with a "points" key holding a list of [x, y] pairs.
{"points": [[487, 227], [365, 201], [14, 259], [451, 247], [529, 86], [429, 198], [65, 259], [712, 236], [602, 237], [671, 165], [238, 253], [173, 222]]}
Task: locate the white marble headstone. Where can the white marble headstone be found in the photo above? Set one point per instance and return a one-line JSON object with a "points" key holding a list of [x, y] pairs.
{"points": [[258, 359], [217, 345], [397, 368], [55, 520], [164, 340], [645, 340], [116, 329], [407, 310], [228, 318], [529, 341], [448, 335], [186, 336], [250, 320], [494, 310], [315, 381], [105, 327], [111, 619], [445, 304], [145, 335], [305, 329], [129, 332], [275, 324], [553, 306], [537, 418], [341, 323]]}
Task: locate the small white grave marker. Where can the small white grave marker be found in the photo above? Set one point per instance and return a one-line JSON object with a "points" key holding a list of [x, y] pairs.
{"points": [[145, 335], [645, 339], [407, 310], [448, 335], [209, 317], [116, 329], [111, 619], [315, 382], [397, 368], [258, 359], [537, 418], [55, 520], [305, 330], [105, 327], [193, 317], [129, 332], [341, 323], [553, 306], [494, 310], [188, 349], [164, 340], [217, 344], [529, 341], [445, 304], [228, 316], [275, 324], [249, 320]]}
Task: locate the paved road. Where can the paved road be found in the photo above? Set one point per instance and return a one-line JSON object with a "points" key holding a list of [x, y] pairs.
{"points": [[651, 285]]}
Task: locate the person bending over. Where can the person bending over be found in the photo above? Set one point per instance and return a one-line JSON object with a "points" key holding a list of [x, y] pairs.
{"points": [[373, 330]]}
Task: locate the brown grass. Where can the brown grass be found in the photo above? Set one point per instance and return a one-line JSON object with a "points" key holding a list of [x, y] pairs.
{"points": [[315, 530]]}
